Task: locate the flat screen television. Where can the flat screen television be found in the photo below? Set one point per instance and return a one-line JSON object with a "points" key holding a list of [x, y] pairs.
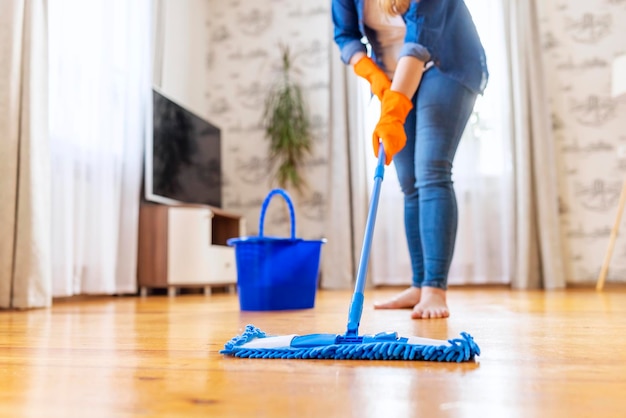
{"points": [[183, 156]]}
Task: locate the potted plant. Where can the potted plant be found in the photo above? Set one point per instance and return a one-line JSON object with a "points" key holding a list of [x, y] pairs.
{"points": [[287, 126]]}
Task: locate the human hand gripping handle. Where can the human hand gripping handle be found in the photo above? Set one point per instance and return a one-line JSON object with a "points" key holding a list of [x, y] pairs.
{"points": [[379, 82], [390, 128]]}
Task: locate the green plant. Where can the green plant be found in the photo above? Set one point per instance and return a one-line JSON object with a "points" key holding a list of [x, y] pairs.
{"points": [[287, 126]]}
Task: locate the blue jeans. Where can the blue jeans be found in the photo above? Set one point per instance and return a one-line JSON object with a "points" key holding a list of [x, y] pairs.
{"points": [[441, 109]]}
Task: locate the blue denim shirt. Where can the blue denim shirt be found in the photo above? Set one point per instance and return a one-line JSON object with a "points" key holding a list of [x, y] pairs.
{"points": [[441, 31]]}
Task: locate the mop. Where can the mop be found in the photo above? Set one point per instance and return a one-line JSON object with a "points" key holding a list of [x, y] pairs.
{"points": [[254, 343]]}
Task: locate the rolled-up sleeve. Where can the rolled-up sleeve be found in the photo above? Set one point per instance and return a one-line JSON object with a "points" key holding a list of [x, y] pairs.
{"points": [[416, 50], [350, 48], [347, 34]]}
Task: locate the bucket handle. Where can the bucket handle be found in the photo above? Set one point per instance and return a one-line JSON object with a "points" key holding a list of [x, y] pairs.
{"points": [[292, 215]]}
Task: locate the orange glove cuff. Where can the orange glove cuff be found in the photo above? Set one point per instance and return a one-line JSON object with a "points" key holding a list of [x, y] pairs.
{"points": [[396, 104], [379, 82], [390, 128]]}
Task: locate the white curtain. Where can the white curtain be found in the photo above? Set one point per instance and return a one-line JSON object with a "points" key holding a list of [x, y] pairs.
{"points": [[99, 92], [482, 175], [347, 189], [538, 254], [24, 156]]}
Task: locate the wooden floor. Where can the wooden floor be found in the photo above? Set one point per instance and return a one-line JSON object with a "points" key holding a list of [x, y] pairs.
{"points": [[544, 354]]}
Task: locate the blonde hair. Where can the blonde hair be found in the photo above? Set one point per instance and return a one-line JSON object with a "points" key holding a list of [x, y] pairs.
{"points": [[394, 7]]}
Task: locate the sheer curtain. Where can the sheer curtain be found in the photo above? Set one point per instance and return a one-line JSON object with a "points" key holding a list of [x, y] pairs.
{"points": [[99, 89], [482, 174]]}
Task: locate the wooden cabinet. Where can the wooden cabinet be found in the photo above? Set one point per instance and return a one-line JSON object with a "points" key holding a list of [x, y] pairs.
{"points": [[185, 246]]}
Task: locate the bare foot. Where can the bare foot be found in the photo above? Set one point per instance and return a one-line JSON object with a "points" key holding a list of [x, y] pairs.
{"points": [[432, 304], [406, 299]]}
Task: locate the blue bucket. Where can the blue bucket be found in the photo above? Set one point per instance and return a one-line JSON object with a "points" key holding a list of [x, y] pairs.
{"points": [[276, 273]]}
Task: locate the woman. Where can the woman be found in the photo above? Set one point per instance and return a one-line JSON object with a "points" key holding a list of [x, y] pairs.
{"points": [[432, 53]]}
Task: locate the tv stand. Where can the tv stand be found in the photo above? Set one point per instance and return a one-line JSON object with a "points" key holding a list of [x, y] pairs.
{"points": [[184, 246]]}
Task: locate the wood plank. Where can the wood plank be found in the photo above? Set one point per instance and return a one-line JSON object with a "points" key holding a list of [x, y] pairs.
{"points": [[544, 354]]}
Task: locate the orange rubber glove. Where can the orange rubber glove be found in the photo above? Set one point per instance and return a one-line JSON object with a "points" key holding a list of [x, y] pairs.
{"points": [[379, 82], [390, 128]]}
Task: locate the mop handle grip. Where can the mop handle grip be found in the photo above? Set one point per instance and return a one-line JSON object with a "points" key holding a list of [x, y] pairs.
{"points": [[356, 307]]}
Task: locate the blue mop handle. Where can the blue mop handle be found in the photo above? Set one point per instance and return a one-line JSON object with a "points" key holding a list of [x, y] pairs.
{"points": [[356, 307]]}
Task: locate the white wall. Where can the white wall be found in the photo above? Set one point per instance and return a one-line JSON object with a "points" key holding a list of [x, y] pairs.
{"points": [[180, 66], [580, 39]]}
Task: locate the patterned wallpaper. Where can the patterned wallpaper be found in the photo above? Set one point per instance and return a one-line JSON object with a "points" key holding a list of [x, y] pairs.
{"points": [[241, 65], [580, 39]]}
